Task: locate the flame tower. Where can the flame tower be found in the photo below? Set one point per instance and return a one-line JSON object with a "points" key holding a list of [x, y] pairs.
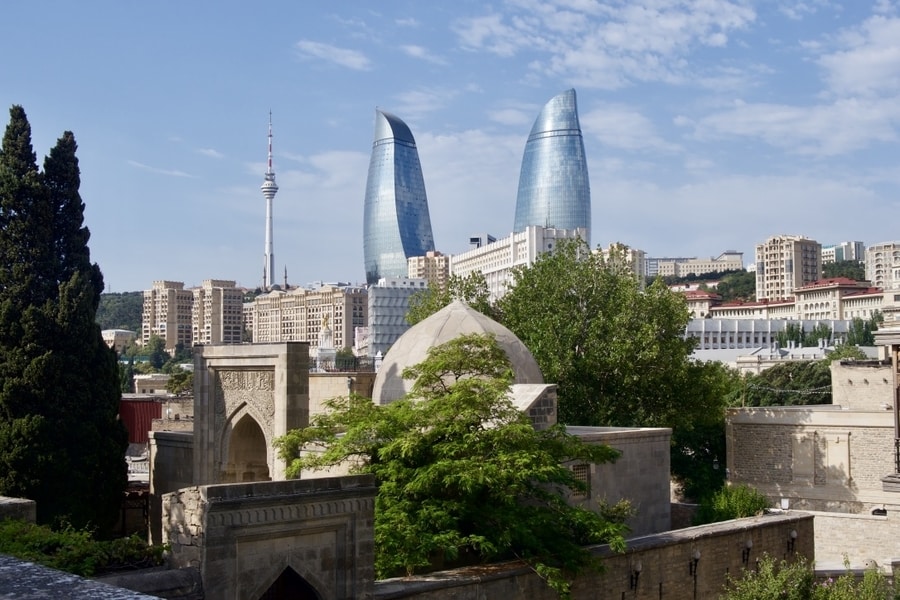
{"points": [[269, 189]]}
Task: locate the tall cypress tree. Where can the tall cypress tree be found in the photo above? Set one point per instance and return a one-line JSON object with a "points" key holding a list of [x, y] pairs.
{"points": [[61, 442]]}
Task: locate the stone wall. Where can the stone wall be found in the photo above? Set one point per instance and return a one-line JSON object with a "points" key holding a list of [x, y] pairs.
{"points": [[862, 385], [17, 508], [243, 537], [820, 458], [171, 468], [324, 386], [640, 475], [856, 538], [665, 565]]}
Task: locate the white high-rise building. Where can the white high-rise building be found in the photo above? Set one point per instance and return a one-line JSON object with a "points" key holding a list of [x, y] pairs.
{"points": [[167, 314], [785, 262], [388, 305], [497, 259], [217, 313], [883, 265], [843, 251]]}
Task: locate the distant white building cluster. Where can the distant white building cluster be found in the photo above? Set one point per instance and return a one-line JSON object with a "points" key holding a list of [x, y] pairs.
{"points": [[211, 313]]}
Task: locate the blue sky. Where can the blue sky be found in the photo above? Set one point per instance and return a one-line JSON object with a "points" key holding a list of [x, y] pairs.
{"points": [[708, 125]]}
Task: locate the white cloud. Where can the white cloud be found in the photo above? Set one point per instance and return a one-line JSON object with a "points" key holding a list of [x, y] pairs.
{"points": [[210, 152], [344, 57], [412, 104], [512, 116], [867, 62], [422, 53], [158, 171], [619, 126], [607, 44], [408, 22]]}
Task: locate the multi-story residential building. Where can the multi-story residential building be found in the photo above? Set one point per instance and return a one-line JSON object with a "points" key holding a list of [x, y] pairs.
{"points": [[699, 303], [554, 188], [883, 265], [388, 305], [633, 259], [729, 260], [497, 259], [396, 223], [298, 315], [784, 263], [434, 268], [217, 313], [167, 313], [843, 251]]}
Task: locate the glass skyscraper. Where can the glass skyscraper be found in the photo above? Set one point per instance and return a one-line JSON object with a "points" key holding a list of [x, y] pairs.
{"points": [[554, 190], [396, 224]]}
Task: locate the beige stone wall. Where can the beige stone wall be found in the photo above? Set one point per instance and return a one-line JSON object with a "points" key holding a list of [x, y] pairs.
{"points": [[324, 386], [171, 468], [666, 566], [862, 385], [856, 537], [17, 508], [640, 475], [243, 536]]}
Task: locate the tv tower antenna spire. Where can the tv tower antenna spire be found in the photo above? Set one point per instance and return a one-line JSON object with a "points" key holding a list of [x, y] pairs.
{"points": [[269, 189]]}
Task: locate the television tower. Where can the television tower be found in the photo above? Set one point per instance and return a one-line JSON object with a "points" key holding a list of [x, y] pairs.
{"points": [[269, 189]]}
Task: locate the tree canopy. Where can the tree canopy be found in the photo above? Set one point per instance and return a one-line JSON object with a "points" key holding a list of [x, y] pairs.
{"points": [[851, 269], [61, 443], [121, 311], [462, 473]]}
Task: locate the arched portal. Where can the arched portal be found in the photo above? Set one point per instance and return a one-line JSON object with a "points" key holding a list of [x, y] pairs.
{"points": [[290, 585], [247, 453]]}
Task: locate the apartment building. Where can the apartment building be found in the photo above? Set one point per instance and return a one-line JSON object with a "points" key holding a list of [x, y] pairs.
{"points": [[883, 265], [217, 313], [434, 268], [843, 251], [388, 305], [497, 259], [633, 259], [167, 313], [298, 315], [784, 263], [729, 260]]}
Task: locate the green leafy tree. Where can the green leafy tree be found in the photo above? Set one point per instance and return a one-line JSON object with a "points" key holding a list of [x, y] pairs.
{"points": [[862, 332], [851, 269], [617, 353], [180, 381], [121, 311], [155, 350], [471, 289], [462, 474], [732, 502], [737, 286], [61, 443]]}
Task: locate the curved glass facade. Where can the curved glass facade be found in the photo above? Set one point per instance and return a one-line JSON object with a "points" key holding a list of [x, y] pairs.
{"points": [[396, 224], [554, 190]]}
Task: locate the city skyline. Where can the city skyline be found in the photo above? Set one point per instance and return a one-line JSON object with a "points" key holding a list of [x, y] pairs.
{"points": [[707, 126]]}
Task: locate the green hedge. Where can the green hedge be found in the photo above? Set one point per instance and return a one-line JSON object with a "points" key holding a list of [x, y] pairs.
{"points": [[76, 551]]}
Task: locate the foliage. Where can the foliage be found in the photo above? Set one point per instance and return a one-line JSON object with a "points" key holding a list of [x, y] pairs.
{"points": [[76, 551], [617, 353], [792, 383], [471, 289], [180, 382], [462, 474], [155, 351], [795, 580], [851, 269], [862, 332], [121, 311], [732, 502], [793, 332], [61, 442], [737, 286]]}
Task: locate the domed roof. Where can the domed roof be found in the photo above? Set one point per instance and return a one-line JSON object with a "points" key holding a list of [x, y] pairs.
{"points": [[455, 319]]}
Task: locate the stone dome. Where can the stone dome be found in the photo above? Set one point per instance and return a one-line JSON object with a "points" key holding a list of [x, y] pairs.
{"points": [[455, 319]]}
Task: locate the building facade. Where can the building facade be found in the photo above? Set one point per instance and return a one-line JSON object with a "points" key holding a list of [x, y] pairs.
{"points": [[396, 223], [554, 188], [497, 259], [786, 262], [217, 313], [434, 268], [388, 305], [883, 265], [118, 339], [167, 313], [299, 315], [633, 259], [729, 260], [843, 251]]}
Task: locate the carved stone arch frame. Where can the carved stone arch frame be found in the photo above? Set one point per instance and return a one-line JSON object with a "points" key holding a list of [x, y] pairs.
{"points": [[278, 567], [223, 443]]}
